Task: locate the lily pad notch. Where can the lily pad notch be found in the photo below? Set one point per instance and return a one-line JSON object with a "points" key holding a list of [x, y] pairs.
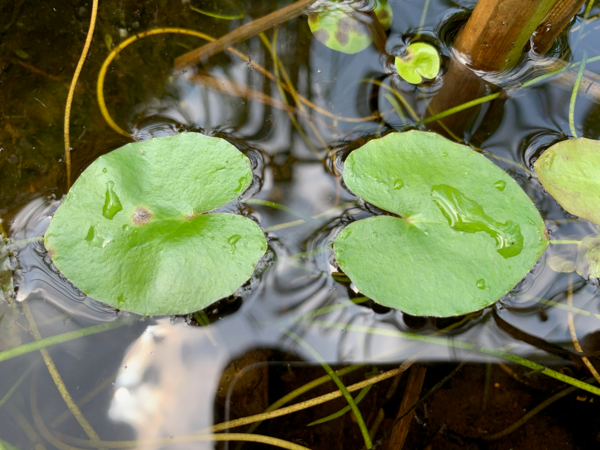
{"points": [[463, 235], [136, 232]]}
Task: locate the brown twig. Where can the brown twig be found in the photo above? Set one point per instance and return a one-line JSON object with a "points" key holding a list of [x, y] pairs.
{"points": [[38, 71], [414, 385], [242, 33]]}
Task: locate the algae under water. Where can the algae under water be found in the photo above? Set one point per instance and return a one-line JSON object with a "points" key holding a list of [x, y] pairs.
{"points": [[166, 377]]}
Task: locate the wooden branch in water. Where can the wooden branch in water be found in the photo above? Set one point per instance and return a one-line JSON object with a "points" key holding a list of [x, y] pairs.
{"points": [[496, 33], [414, 385], [242, 33], [557, 18]]}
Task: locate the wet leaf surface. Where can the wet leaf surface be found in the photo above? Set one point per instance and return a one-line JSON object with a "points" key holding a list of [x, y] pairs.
{"points": [[466, 235], [132, 231], [570, 172]]}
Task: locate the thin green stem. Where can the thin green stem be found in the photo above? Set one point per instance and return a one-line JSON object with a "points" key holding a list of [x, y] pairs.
{"points": [[59, 339], [359, 419], [488, 98], [533, 412], [217, 16], [422, 22], [564, 242], [586, 15], [459, 108], [282, 226], [574, 96], [256, 201], [362, 394], [17, 384], [7, 446], [464, 345]]}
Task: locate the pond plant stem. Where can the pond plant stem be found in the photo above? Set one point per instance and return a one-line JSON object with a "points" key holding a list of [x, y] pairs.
{"points": [[574, 95], [86, 47], [462, 345], [359, 419], [168, 441], [58, 339], [15, 386], [58, 381], [576, 343], [115, 51], [242, 33], [515, 426]]}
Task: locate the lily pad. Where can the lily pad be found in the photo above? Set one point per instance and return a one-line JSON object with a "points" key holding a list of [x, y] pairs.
{"points": [[570, 172], [420, 61], [338, 25], [464, 233], [133, 230]]}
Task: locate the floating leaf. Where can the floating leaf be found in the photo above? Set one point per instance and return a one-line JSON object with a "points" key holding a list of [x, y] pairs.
{"points": [[570, 172], [588, 257], [132, 232], [561, 263], [462, 239], [420, 61], [10, 331], [341, 27]]}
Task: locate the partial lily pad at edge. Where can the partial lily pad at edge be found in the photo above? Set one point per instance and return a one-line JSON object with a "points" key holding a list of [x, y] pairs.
{"points": [[336, 24], [133, 231], [420, 61], [570, 172], [464, 235]]}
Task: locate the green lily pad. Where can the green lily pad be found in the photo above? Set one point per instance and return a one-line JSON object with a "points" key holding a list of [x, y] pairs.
{"points": [[336, 25], [465, 234], [132, 232], [420, 61], [570, 172]]}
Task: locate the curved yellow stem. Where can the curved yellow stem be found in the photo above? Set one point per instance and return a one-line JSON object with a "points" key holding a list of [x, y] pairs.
{"points": [[86, 47]]}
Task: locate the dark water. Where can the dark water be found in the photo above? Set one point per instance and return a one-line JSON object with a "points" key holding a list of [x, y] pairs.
{"points": [[160, 377]]}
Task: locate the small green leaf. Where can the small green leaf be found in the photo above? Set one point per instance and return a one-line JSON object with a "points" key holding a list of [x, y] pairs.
{"points": [[338, 25], [132, 232], [570, 172], [588, 257], [459, 243], [420, 61]]}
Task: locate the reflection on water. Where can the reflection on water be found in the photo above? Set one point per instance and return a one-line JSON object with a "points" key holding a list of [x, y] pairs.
{"points": [[169, 370]]}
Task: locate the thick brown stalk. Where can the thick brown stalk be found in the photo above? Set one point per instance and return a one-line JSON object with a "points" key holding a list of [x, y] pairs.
{"points": [[496, 33], [557, 18], [416, 377], [242, 33]]}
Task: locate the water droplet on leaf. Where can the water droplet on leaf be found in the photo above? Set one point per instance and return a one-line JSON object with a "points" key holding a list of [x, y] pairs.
{"points": [[398, 184], [112, 204], [233, 240], [468, 216], [500, 185], [481, 284]]}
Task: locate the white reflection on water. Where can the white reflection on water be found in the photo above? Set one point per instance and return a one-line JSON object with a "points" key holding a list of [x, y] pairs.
{"points": [[159, 381]]}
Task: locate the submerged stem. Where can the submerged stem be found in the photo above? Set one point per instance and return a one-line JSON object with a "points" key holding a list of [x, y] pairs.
{"points": [[361, 423]]}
